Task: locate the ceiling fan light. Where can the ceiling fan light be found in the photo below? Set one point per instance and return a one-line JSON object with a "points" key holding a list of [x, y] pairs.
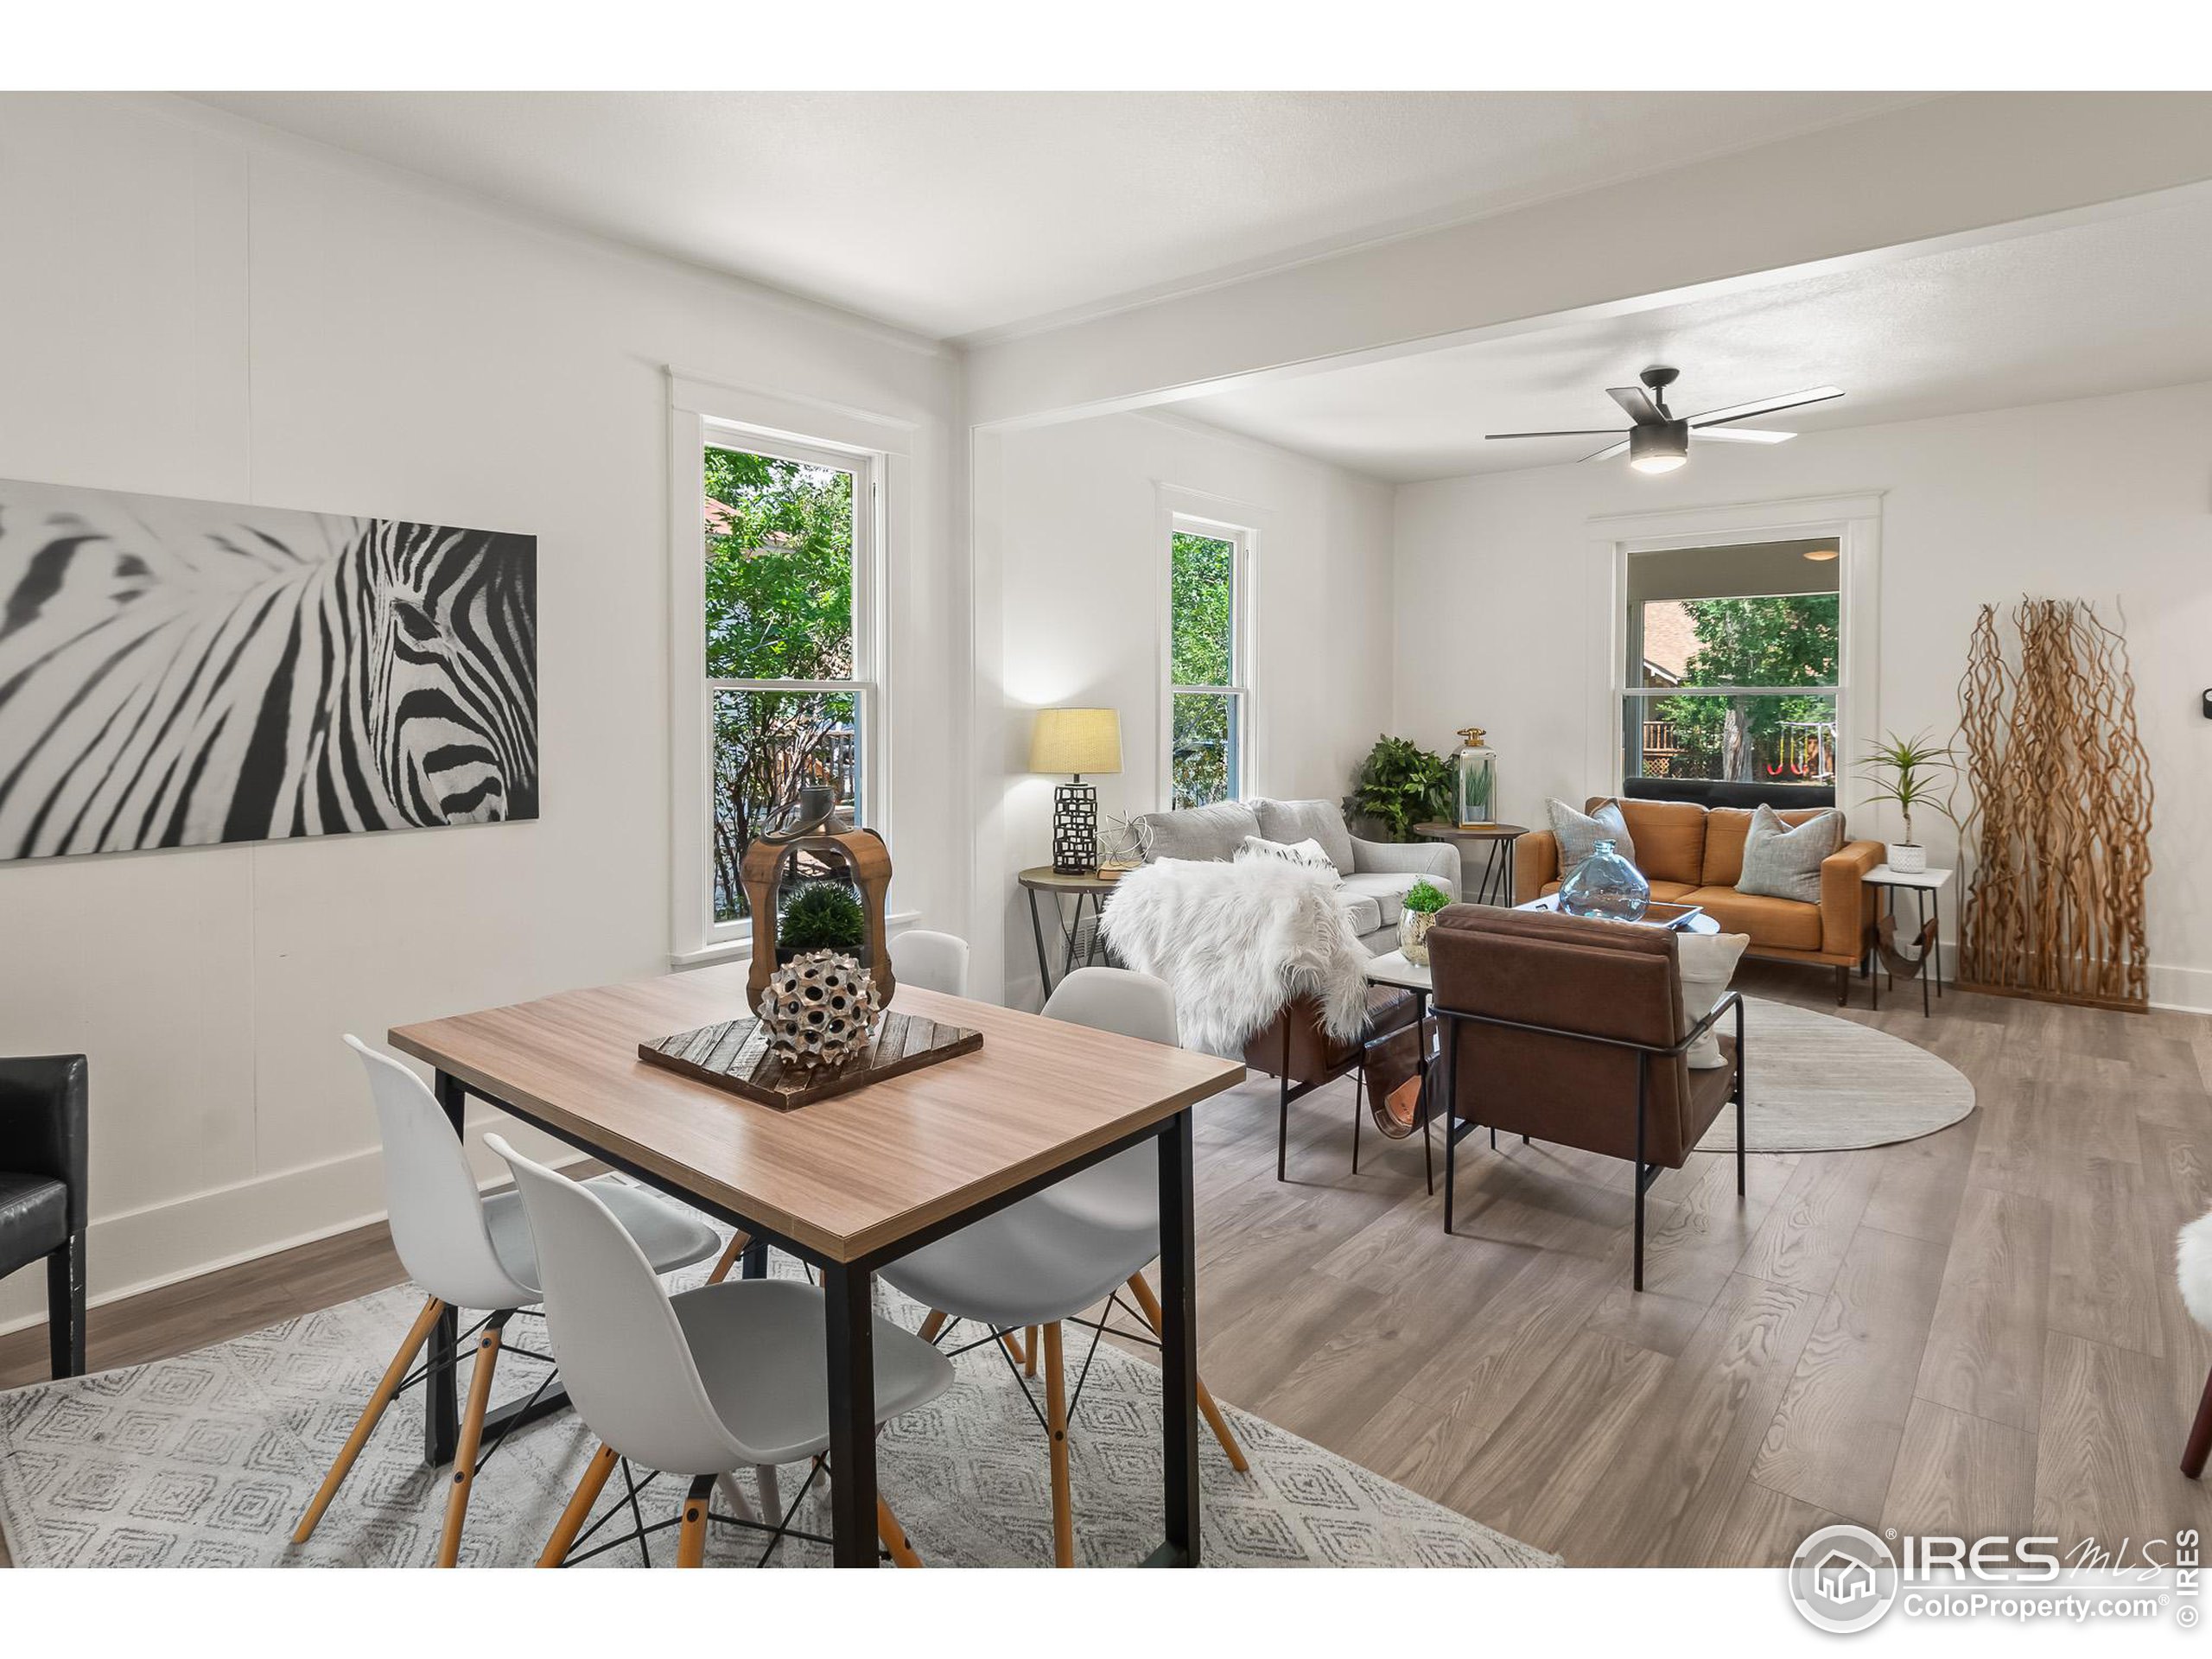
{"points": [[1659, 446], [1821, 555]]}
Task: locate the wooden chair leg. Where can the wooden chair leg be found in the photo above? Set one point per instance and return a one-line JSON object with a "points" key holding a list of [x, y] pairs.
{"points": [[410, 1345], [2200, 1438], [1013, 1348], [893, 1535], [932, 1325], [692, 1532], [1056, 1423], [1212, 1413], [730, 1254], [472, 1439], [1029, 1365], [579, 1501]]}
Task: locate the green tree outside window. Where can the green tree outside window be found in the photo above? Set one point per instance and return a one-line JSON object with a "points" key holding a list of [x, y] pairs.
{"points": [[779, 607]]}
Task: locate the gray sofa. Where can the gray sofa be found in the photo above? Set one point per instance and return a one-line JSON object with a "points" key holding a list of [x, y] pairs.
{"points": [[1372, 875]]}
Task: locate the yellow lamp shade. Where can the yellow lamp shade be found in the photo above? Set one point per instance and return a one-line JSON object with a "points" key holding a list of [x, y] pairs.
{"points": [[1076, 741]]}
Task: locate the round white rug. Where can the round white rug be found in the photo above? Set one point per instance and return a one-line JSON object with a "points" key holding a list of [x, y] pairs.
{"points": [[1817, 1083]]}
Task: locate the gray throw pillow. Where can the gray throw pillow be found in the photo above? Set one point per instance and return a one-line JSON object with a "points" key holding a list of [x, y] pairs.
{"points": [[1296, 821], [1781, 862], [1200, 832], [1579, 834]]}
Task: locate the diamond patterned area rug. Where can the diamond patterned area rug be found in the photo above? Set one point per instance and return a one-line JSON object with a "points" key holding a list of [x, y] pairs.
{"points": [[207, 1461]]}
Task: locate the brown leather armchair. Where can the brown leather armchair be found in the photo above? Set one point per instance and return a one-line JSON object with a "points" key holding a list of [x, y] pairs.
{"points": [[1570, 1030], [1294, 1049]]}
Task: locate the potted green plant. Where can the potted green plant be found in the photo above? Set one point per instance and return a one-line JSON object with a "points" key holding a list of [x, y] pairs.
{"points": [[1422, 900], [1910, 772], [1401, 784], [820, 915]]}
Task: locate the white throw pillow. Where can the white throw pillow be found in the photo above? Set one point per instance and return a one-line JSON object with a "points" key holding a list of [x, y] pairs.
{"points": [[1708, 963], [1308, 851]]}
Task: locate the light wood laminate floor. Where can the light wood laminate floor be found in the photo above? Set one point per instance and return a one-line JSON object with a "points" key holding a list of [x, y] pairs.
{"points": [[1973, 1332]]}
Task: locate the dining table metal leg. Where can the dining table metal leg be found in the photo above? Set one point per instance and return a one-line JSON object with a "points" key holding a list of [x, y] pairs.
{"points": [[850, 1333], [440, 1391], [1178, 1347]]}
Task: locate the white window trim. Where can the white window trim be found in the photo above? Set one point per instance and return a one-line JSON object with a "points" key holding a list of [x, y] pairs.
{"points": [[1240, 537], [1855, 522], [878, 451]]}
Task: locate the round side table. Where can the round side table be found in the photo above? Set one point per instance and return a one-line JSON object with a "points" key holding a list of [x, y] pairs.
{"points": [[1086, 884], [1497, 885]]}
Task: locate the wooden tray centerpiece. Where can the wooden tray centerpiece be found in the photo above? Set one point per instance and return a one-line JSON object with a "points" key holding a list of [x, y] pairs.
{"points": [[739, 1055]]}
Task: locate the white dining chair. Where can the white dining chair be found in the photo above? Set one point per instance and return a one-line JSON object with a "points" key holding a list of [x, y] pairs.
{"points": [[933, 962], [1079, 1242], [468, 1250], [702, 1384]]}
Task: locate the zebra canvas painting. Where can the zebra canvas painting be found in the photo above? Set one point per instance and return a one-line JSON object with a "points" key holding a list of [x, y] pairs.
{"points": [[175, 673]]}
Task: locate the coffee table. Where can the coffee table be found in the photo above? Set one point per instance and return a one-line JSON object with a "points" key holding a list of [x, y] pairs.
{"points": [[1703, 922]]}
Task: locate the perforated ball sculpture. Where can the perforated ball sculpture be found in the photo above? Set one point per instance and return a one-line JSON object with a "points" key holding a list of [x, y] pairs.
{"points": [[819, 1010]]}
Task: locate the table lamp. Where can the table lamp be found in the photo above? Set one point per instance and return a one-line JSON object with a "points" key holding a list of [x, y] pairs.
{"points": [[1074, 741]]}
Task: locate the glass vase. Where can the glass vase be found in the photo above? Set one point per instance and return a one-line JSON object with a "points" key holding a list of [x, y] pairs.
{"points": [[1606, 885], [1474, 781]]}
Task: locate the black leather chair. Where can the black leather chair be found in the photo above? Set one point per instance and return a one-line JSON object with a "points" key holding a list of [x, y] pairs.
{"points": [[43, 1205]]}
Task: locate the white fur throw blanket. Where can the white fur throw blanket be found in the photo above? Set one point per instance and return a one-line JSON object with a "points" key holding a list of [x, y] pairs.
{"points": [[2193, 1267], [1235, 941]]}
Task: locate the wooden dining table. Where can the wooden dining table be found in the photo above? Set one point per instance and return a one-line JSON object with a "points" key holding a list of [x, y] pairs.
{"points": [[851, 1183]]}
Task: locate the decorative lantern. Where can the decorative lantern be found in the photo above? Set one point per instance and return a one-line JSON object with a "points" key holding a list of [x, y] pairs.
{"points": [[815, 832], [1475, 782]]}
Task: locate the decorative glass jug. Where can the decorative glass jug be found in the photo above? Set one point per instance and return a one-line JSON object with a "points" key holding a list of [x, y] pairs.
{"points": [[1475, 781], [1608, 885]]}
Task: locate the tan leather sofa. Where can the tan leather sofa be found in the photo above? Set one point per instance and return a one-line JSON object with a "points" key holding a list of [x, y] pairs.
{"points": [[1693, 854]]}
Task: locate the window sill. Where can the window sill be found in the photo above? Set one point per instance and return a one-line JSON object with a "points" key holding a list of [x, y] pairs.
{"points": [[742, 949]]}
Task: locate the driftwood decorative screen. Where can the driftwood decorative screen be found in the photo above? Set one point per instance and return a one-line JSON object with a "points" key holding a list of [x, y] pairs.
{"points": [[2059, 835]]}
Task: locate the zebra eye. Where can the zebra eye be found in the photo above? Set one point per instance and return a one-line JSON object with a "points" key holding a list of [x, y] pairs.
{"points": [[415, 619]]}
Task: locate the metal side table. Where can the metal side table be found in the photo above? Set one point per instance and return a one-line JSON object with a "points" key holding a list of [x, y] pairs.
{"points": [[1927, 889], [1086, 884]]}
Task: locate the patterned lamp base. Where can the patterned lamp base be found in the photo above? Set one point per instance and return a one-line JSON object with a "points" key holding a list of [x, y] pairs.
{"points": [[1075, 829]]}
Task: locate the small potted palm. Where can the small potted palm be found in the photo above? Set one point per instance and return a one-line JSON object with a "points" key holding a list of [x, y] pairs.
{"points": [[1908, 771], [1422, 900]]}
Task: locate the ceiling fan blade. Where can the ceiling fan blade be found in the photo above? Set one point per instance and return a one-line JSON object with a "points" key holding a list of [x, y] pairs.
{"points": [[1741, 434], [1607, 454], [1766, 406], [1577, 432], [1637, 402]]}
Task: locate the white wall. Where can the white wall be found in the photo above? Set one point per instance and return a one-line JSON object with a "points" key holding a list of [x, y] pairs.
{"points": [[1080, 595], [193, 307], [2102, 499]]}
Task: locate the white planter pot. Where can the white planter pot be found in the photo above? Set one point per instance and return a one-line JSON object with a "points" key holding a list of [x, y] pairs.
{"points": [[1907, 857]]}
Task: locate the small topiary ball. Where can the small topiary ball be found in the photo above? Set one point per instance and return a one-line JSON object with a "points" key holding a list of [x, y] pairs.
{"points": [[819, 1010]]}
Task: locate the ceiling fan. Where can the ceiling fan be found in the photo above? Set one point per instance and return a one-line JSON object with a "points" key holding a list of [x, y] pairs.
{"points": [[1659, 440]]}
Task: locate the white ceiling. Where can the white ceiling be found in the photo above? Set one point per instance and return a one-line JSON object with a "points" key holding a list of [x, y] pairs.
{"points": [[957, 212], [2077, 313]]}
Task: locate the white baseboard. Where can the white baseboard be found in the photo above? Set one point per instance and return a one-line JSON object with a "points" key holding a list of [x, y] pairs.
{"points": [[143, 1250], [2183, 990], [2186, 989]]}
